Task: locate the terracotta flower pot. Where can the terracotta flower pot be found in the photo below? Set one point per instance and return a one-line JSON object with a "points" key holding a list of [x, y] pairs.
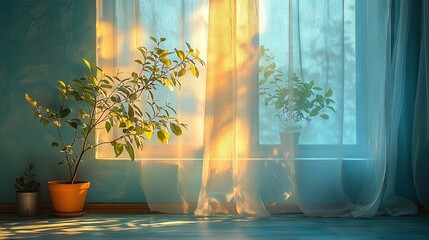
{"points": [[68, 199]]}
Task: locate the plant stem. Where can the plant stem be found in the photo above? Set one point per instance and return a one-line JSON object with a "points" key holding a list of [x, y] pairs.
{"points": [[85, 140]]}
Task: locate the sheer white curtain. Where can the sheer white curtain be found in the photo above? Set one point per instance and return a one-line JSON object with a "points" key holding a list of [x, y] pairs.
{"points": [[385, 80], [230, 180], [230, 162], [170, 174]]}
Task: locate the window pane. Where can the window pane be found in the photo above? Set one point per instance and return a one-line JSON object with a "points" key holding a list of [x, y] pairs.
{"points": [[321, 35], [125, 25]]}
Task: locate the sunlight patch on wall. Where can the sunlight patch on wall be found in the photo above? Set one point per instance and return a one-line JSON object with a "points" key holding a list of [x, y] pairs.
{"points": [[124, 26]]}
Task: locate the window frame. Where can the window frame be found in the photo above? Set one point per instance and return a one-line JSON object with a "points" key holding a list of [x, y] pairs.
{"points": [[333, 151]]}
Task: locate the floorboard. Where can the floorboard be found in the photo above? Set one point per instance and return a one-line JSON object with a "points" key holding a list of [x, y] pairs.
{"points": [[168, 226]]}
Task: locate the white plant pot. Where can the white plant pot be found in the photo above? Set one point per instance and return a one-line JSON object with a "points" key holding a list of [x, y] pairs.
{"points": [[289, 144]]}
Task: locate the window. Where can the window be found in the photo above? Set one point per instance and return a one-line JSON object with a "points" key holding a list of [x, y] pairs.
{"points": [[324, 50], [323, 55]]}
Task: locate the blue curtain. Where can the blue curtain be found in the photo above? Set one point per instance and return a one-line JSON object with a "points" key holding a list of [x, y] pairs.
{"points": [[420, 130], [406, 119], [412, 140]]}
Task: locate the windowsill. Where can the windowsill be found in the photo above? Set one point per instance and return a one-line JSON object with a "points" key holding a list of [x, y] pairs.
{"points": [[262, 152], [238, 159]]}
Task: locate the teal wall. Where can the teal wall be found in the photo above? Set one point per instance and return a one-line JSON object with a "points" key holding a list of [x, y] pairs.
{"points": [[41, 42]]}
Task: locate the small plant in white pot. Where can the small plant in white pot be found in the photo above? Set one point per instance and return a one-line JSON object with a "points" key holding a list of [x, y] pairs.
{"points": [[27, 193], [101, 101], [295, 101]]}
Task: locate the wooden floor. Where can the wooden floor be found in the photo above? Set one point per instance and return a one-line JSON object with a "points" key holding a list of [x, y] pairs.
{"points": [[168, 226]]}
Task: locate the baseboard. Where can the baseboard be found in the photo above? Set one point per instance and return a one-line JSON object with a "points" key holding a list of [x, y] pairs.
{"points": [[119, 208], [110, 208]]}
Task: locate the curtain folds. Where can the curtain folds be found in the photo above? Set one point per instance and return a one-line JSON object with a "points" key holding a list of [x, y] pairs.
{"points": [[231, 162], [229, 184], [420, 137], [395, 87]]}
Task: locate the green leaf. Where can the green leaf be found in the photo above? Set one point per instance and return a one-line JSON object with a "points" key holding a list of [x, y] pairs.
{"points": [[163, 136], [130, 150], [133, 97], [151, 58], [138, 142], [180, 54], [62, 83], [94, 80], [31, 101], [148, 133], [44, 122], [153, 38], [143, 51], [74, 123], [194, 71], [134, 75], [332, 108], [131, 111], [128, 123], [314, 112], [118, 148], [64, 111], [267, 74], [166, 61], [83, 114], [181, 72], [55, 144], [124, 90], [324, 116], [328, 93], [114, 99], [87, 63], [108, 126], [152, 97], [176, 129], [169, 84], [189, 46], [107, 86], [329, 100]]}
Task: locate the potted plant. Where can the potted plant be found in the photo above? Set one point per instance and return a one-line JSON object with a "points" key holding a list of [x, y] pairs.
{"points": [[27, 193], [294, 100], [102, 101]]}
